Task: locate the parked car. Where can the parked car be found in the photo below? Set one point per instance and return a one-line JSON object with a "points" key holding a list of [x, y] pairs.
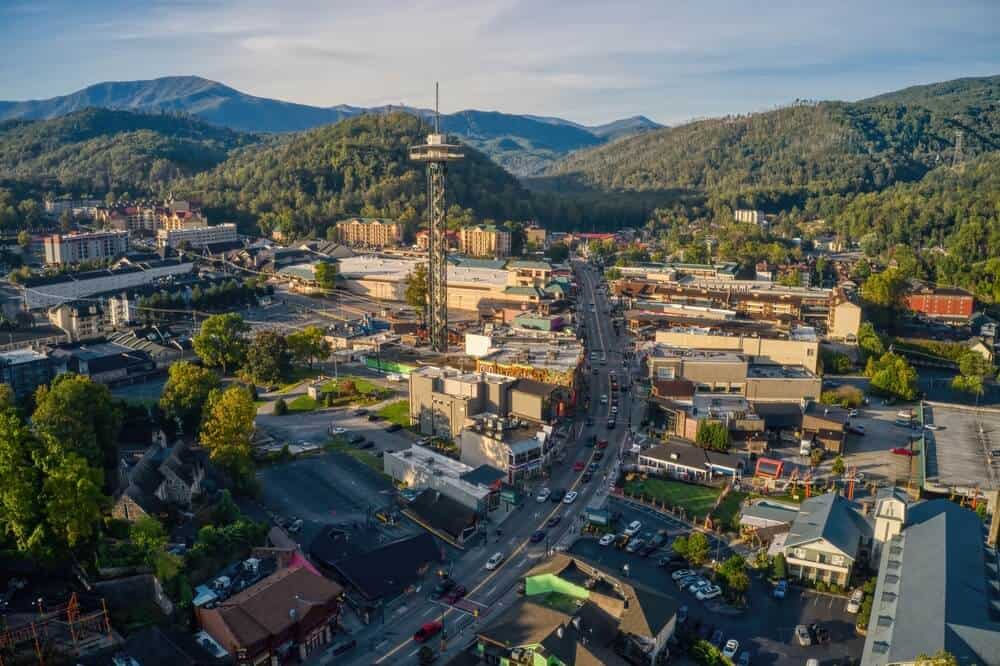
{"points": [[634, 545], [494, 561], [932, 426], [902, 451], [731, 647], [537, 536], [633, 528], [672, 561], [543, 494], [710, 592], [820, 633], [687, 580], [607, 540], [361, 412], [697, 585], [444, 586], [780, 589], [553, 521], [570, 497], [337, 430], [854, 603], [802, 635], [428, 630], [677, 575]]}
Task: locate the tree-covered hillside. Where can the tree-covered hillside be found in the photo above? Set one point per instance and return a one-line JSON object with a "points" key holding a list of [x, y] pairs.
{"points": [[800, 150], [947, 96], [359, 166], [98, 150]]}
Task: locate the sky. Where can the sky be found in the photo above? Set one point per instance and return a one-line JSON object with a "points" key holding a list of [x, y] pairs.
{"points": [[584, 60]]}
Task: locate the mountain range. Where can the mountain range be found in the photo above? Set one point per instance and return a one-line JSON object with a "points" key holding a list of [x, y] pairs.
{"points": [[522, 144]]}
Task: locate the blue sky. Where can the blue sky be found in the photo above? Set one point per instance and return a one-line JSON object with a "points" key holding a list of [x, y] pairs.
{"points": [[589, 61]]}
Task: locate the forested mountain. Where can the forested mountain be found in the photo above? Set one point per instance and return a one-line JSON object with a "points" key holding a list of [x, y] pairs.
{"points": [[98, 150], [947, 96], [357, 167], [522, 144], [800, 150]]}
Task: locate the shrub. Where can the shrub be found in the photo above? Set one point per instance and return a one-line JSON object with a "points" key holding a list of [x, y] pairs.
{"points": [[780, 570], [280, 407], [821, 586]]}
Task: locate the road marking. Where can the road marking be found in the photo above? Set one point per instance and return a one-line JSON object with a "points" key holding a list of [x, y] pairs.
{"points": [[428, 611], [415, 651], [491, 590]]}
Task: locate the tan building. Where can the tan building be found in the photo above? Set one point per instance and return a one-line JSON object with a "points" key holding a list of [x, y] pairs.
{"points": [[80, 320], [441, 399], [536, 236], [780, 351], [369, 232], [75, 248], [844, 318], [172, 220], [484, 241]]}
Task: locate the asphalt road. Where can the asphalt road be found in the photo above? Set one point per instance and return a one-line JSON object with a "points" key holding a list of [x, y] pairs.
{"points": [[491, 591]]}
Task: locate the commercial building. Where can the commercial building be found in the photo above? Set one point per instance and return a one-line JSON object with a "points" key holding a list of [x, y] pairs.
{"points": [[419, 468], [683, 461], [826, 539], [24, 370], [936, 590], [542, 359], [577, 612], [825, 426], [503, 443], [76, 248], [369, 232], [47, 291], [484, 241], [537, 237], [774, 350], [79, 319], [441, 399], [196, 236], [103, 362], [947, 303], [291, 613]]}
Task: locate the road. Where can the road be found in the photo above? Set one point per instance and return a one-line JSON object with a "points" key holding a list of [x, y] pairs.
{"points": [[492, 591]]}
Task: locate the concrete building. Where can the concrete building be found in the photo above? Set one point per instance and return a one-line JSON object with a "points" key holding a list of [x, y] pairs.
{"points": [[418, 468], [749, 216], [936, 590], [774, 350], [441, 399], [24, 370], [79, 319], [484, 241], [826, 539], [519, 452], [47, 291], [196, 236], [103, 362], [369, 232], [76, 248]]}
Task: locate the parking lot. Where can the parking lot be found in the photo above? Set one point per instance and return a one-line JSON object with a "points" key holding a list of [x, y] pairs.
{"points": [[766, 629], [957, 453]]}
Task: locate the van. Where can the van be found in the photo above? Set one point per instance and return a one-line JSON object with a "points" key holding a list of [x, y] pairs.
{"points": [[805, 447]]}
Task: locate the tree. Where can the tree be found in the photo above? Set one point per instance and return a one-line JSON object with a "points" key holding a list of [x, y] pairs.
{"points": [[308, 345], [712, 435], [974, 370], [869, 341], [227, 431], [79, 415], [697, 549], [280, 407], [326, 275], [557, 253], [838, 466], [734, 573], [416, 288], [884, 289], [20, 485], [940, 658], [891, 374], [148, 535], [186, 392], [7, 397], [221, 341], [24, 239], [73, 499], [780, 569], [816, 456], [268, 360]]}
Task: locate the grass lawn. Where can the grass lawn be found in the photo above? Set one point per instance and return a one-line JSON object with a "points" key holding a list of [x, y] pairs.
{"points": [[302, 403], [361, 385], [365, 392], [298, 376], [340, 446], [696, 500], [729, 510], [397, 412]]}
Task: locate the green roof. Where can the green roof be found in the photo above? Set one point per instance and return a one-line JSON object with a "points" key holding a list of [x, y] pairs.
{"points": [[527, 263]]}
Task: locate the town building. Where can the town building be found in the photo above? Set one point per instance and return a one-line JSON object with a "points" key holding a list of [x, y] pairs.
{"points": [[196, 237], [290, 614], [418, 468], [775, 350], [441, 399], [444, 517], [165, 478], [539, 358], [824, 541], [750, 216], [520, 452], [936, 590], [536, 236], [79, 319], [93, 246], [577, 612], [825, 426], [681, 460], [484, 240], [24, 370], [369, 232], [947, 303], [103, 362]]}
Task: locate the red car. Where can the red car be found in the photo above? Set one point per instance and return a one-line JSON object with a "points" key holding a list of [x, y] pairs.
{"points": [[602, 443], [901, 451], [454, 594], [578, 466], [429, 630]]}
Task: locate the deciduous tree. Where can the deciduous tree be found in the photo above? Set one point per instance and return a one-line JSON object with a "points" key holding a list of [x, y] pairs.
{"points": [[891, 374], [268, 360], [221, 342], [186, 392], [326, 275], [416, 288], [228, 429], [308, 345]]}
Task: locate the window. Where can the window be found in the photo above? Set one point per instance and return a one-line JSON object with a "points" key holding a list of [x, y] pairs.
{"points": [[800, 553], [809, 352], [837, 560]]}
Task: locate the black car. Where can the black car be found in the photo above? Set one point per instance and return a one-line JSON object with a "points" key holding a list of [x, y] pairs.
{"points": [[442, 588], [394, 427], [593, 467], [367, 445], [598, 455], [673, 562], [557, 495], [537, 536], [612, 424], [360, 412], [553, 521], [374, 417], [587, 476], [820, 634]]}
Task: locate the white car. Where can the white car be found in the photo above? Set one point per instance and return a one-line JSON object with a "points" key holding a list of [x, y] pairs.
{"points": [[570, 497], [710, 592], [698, 585], [853, 413], [607, 540], [633, 529], [543, 494], [338, 431], [677, 575], [604, 399], [931, 426], [731, 648], [494, 561], [854, 604]]}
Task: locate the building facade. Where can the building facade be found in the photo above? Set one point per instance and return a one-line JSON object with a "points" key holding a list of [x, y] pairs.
{"points": [[24, 370], [484, 241], [368, 232], [76, 248], [942, 303], [196, 236]]}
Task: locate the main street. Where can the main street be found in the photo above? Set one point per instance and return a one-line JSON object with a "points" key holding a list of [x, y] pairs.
{"points": [[490, 592]]}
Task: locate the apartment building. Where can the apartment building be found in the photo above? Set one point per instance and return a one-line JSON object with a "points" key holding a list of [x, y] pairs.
{"points": [[196, 236], [24, 370], [537, 237], [762, 348], [75, 248], [826, 538], [79, 319], [948, 303], [484, 241], [369, 232], [749, 216]]}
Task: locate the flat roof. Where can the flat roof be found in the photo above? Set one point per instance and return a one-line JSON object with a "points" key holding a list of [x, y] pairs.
{"points": [[17, 356], [769, 371]]}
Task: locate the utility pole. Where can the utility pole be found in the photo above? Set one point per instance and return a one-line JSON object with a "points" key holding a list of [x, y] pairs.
{"points": [[437, 153]]}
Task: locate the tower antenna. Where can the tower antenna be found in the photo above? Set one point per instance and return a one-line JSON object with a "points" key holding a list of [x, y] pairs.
{"points": [[437, 108]]}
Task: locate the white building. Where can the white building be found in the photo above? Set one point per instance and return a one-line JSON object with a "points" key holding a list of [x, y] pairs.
{"points": [[46, 291], [196, 236], [419, 468], [74, 248]]}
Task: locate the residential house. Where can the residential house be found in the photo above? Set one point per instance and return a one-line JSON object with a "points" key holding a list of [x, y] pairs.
{"points": [[826, 539], [164, 478], [690, 463]]}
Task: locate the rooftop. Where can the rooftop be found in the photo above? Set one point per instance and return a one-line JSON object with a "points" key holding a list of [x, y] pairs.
{"points": [[830, 517], [769, 371], [18, 356]]}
